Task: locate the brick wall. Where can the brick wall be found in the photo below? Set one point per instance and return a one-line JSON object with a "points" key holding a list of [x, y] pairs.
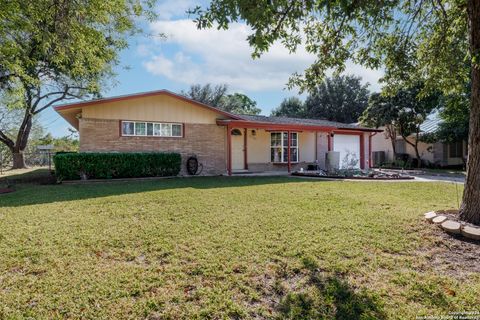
{"points": [[206, 141]]}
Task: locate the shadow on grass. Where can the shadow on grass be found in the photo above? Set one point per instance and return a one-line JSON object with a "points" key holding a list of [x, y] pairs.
{"points": [[34, 176], [30, 194], [327, 296]]}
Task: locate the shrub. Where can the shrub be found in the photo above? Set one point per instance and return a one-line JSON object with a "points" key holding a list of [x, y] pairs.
{"points": [[71, 166]]}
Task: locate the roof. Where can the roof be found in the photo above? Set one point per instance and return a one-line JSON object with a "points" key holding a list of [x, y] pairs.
{"points": [[431, 124], [140, 95], [304, 122], [69, 112]]}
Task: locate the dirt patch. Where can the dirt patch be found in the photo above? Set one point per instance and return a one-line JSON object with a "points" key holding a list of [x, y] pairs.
{"points": [[453, 255]]}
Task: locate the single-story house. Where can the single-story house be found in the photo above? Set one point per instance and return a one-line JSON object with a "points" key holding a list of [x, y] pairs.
{"points": [[438, 153], [224, 143]]}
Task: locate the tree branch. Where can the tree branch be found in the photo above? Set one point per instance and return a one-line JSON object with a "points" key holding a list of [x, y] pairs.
{"points": [[6, 140]]}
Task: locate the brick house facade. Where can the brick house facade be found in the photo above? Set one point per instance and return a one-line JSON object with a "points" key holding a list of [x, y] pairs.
{"points": [[224, 143]]}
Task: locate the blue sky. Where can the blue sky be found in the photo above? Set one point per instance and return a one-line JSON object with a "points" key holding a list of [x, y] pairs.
{"points": [[188, 56]]}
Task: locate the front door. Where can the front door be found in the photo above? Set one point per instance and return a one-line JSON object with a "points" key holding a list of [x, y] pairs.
{"points": [[238, 161]]}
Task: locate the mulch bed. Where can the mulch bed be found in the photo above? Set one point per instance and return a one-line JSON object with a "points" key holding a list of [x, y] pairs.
{"points": [[313, 175], [6, 190]]}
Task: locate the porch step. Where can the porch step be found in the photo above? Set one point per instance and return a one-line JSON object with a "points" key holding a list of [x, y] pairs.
{"points": [[240, 171]]}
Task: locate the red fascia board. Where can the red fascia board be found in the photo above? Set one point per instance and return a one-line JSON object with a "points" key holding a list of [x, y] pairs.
{"points": [[277, 126], [272, 126], [142, 95], [360, 129]]}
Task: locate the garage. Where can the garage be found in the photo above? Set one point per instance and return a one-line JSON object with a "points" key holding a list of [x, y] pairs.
{"points": [[349, 148]]}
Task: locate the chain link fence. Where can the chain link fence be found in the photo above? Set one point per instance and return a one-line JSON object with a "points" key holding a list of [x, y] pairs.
{"points": [[32, 159]]}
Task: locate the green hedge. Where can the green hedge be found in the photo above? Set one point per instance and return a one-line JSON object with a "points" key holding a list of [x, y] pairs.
{"points": [[72, 166]]}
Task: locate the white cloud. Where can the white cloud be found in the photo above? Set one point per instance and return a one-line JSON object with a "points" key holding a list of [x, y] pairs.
{"points": [[224, 56], [169, 9]]}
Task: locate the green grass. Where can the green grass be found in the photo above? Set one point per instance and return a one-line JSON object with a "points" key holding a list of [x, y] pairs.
{"points": [[228, 248]]}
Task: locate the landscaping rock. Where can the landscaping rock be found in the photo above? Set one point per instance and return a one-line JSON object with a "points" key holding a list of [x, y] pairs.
{"points": [[430, 215], [439, 219], [471, 232], [451, 226]]}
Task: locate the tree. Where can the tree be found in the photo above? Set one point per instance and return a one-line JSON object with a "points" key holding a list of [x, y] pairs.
{"points": [[217, 97], [437, 42], [339, 98], [412, 111], [290, 107], [10, 121], [68, 143], [381, 112], [240, 104], [51, 51], [207, 94], [455, 116], [401, 114]]}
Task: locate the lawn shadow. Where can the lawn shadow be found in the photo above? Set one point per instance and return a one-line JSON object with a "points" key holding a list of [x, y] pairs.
{"points": [[39, 175], [324, 295], [28, 194]]}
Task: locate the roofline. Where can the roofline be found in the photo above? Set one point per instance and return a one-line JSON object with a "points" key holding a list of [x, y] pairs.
{"points": [[142, 95], [290, 126], [361, 129]]}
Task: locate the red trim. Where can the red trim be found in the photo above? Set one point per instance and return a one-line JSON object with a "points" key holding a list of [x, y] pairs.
{"points": [[229, 151], [272, 126], [293, 127], [245, 164], [143, 95], [348, 132]]}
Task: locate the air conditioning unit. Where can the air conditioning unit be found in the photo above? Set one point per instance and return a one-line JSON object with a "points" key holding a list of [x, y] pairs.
{"points": [[378, 158]]}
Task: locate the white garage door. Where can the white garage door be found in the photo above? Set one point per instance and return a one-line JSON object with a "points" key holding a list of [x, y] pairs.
{"points": [[349, 148]]}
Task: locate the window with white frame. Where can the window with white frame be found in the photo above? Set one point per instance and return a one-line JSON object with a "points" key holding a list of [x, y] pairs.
{"points": [[151, 129], [279, 147]]}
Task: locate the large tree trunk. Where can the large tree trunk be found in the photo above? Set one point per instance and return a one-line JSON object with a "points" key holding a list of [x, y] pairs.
{"points": [[470, 208], [18, 160]]}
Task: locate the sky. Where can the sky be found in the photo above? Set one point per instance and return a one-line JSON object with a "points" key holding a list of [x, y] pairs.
{"points": [[187, 56]]}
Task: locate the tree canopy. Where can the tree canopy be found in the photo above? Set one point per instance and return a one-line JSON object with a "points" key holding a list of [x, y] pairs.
{"points": [[339, 98], [290, 107], [402, 113], [217, 96], [52, 51]]}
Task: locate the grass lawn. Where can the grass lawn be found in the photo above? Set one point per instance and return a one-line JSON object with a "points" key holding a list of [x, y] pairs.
{"points": [[232, 248]]}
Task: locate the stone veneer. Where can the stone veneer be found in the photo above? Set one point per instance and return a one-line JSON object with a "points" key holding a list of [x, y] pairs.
{"points": [[206, 141]]}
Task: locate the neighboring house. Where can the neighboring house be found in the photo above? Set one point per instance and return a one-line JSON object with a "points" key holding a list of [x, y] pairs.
{"points": [[222, 142], [438, 153]]}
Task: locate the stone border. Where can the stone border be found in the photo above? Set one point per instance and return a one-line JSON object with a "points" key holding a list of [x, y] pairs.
{"points": [[450, 225]]}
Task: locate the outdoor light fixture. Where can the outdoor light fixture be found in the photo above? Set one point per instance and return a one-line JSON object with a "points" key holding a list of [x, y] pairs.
{"points": [[254, 133]]}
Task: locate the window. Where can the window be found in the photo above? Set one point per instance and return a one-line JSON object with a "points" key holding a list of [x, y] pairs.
{"points": [[279, 147], [152, 129], [456, 149]]}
